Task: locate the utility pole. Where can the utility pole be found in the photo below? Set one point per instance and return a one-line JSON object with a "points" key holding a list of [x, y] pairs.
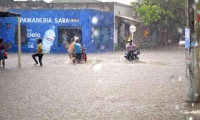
{"points": [[192, 53]]}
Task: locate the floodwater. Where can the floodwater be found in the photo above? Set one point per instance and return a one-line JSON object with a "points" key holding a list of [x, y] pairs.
{"points": [[107, 87]]}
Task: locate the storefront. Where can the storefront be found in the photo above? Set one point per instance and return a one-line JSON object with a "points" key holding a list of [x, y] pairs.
{"points": [[57, 28]]}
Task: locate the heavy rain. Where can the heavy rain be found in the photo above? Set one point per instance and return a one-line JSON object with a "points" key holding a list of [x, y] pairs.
{"points": [[99, 60]]}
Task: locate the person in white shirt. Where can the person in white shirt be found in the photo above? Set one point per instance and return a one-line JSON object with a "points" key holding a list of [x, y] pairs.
{"points": [[76, 37], [130, 47]]}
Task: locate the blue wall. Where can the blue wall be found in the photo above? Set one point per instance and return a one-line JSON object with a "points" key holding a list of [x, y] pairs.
{"points": [[96, 29]]}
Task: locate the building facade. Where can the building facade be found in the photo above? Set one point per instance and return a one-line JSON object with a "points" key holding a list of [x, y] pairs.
{"points": [[120, 19], [58, 28]]}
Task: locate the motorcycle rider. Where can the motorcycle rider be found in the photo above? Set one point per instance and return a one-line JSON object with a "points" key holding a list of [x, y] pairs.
{"points": [[130, 47]]}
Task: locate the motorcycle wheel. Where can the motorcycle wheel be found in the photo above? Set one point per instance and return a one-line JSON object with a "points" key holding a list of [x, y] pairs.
{"points": [[84, 57], [130, 57]]}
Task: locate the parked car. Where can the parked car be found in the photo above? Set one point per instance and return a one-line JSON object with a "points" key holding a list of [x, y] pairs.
{"points": [[182, 41]]}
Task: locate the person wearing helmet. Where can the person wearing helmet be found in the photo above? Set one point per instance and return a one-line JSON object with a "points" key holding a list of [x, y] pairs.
{"points": [[130, 46]]}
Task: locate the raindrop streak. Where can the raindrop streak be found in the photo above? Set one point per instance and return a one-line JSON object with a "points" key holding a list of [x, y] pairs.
{"points": [[94, 20], [192, 104], [196, 95], [179, 78], [180, 30], [97, 67], [190, 118], [193, 6], [96, 33], [177, 107], [172, 80]]}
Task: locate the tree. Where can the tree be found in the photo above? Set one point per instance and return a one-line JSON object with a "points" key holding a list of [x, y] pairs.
{"points": [[152, 14], [159, 17]]}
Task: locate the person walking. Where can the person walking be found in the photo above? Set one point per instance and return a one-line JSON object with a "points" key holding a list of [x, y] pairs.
{"points": [[39, 52], [2, 51]]}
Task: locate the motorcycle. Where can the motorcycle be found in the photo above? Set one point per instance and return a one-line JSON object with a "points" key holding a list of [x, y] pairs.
{"points": [[132, 54], [83, 56]]}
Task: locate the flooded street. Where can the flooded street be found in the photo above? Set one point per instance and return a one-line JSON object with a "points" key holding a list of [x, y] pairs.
{"points": [[107, 87]]}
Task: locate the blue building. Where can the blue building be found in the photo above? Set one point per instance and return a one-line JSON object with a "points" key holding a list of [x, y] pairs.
{"points": [[57, 28]]}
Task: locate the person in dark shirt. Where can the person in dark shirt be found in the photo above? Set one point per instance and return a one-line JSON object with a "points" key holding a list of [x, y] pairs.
{"points": [[39, 52], [2, 51]]}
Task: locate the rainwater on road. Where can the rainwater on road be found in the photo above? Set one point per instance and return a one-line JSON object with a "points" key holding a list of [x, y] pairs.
{"points": [[107, 87]]}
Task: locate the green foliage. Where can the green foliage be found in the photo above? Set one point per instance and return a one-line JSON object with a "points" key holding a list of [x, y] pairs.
{"points": [[172, 7], [162, 16], [152, 14]]}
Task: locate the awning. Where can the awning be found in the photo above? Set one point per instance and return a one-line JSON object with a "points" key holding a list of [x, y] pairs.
{"points": [[9, 14], [128, 19]]}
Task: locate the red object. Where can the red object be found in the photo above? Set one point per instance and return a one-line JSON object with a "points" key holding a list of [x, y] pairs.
{"points": [[198, 17], [5, 55], [84, 56]]}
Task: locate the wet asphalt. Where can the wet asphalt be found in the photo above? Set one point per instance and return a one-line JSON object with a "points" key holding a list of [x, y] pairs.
{"points": [[107, 87]]}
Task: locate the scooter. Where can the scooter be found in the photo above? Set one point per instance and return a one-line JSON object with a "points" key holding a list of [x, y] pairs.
{"points": [[83, 56], [132, 54]]}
